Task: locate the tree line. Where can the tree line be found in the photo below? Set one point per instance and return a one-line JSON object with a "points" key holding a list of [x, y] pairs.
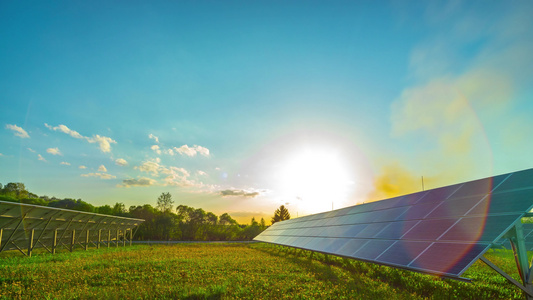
{"points": [[162, 222]]}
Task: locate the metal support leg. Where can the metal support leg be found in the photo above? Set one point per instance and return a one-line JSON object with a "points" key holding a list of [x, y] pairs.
{"points": [[54, 242], [87, 240], [73, 240], [108, 237], [30, 242], [99, 238], [131, 236], [124, 238], [1, 233], [116, 242]]}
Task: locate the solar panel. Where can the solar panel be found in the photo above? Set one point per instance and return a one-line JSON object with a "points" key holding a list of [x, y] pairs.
{"points": [[24, 227], [440, 231]]}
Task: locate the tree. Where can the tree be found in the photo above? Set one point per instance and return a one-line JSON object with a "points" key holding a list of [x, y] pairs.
{"points": [[281, 214], [16, 190], [165, 203]]}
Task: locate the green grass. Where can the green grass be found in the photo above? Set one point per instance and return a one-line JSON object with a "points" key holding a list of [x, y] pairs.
{"points": [[233, 271]]}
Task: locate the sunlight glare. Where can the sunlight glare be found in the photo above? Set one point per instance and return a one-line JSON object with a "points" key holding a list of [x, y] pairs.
{"points": [[316, 178]]}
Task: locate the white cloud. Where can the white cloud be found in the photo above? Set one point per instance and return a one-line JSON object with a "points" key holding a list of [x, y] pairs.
{"points": [[103, 142], [102, 168], [156, 149], [82, 167], [99, 175], [150, 166], [169, 152], [143, 181], [65, 163], [201, 173], [31, 150], [66, 130], [41, 158], [18, 131], [121, 162], [54, 151], [153, 137], [192, 151], [178, 177], [1, 154]]}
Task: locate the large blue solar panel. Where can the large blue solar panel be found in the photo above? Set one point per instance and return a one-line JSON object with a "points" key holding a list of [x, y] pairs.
{"points": [[440, 231]]}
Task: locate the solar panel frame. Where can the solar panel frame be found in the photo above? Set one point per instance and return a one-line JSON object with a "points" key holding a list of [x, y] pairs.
{"points": [[26, 226]]}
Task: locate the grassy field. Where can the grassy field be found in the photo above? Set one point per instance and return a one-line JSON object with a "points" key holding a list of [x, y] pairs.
{"points": [[233, 271]]}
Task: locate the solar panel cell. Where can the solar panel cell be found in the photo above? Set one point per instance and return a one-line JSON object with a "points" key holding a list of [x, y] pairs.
{"points": [[517, 180], [395, 230], [448, 257], [403, 252], [505, 202], [352, 246], [455, 208], [429, 229], [373, 249], [483, 229]]}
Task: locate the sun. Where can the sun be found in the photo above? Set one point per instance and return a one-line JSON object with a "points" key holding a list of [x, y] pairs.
{"points": [[314, 179]]}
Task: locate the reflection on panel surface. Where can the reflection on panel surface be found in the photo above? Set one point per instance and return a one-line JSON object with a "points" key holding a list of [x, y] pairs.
{"points": [[441, 231]]}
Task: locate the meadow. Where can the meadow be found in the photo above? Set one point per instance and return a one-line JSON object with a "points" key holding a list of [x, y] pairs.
{"points": [[234, 271]]}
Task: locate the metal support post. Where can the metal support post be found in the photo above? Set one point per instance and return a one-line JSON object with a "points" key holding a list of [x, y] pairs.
{"points": [[519, 248], [87, 240], [73, 240], [131, 236], [116, 242], [54, 242], [99, 238], [108, 237], [30, 242], [124, 234], [1, 232]]}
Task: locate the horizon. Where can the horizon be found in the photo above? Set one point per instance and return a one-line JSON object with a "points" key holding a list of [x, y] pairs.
{"points": [[242, 107]]}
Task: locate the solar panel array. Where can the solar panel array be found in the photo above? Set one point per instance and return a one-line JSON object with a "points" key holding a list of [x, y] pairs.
{"points": [[440, 231], [24, 227]]}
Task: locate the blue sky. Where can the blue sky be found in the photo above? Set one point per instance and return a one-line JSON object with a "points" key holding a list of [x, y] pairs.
{"points": [[240, 106]]}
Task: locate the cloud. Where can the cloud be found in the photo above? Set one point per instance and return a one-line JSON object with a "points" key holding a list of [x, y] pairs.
{"points": [[230, 193], [201, 173], [18, 131], [104, 143], [121, 162], [102, 168], [192, 151], [153, 137], [82, 167], [31, 150], [99, 175], [178, 177], [64, 163], [41, 158], [1, 154], [156, 149], [66, 130], [54, 151], [150, 166], [143, 181]]}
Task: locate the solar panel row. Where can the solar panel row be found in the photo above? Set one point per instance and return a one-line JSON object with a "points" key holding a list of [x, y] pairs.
{"points": [[440, 231], [24, 227]]}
